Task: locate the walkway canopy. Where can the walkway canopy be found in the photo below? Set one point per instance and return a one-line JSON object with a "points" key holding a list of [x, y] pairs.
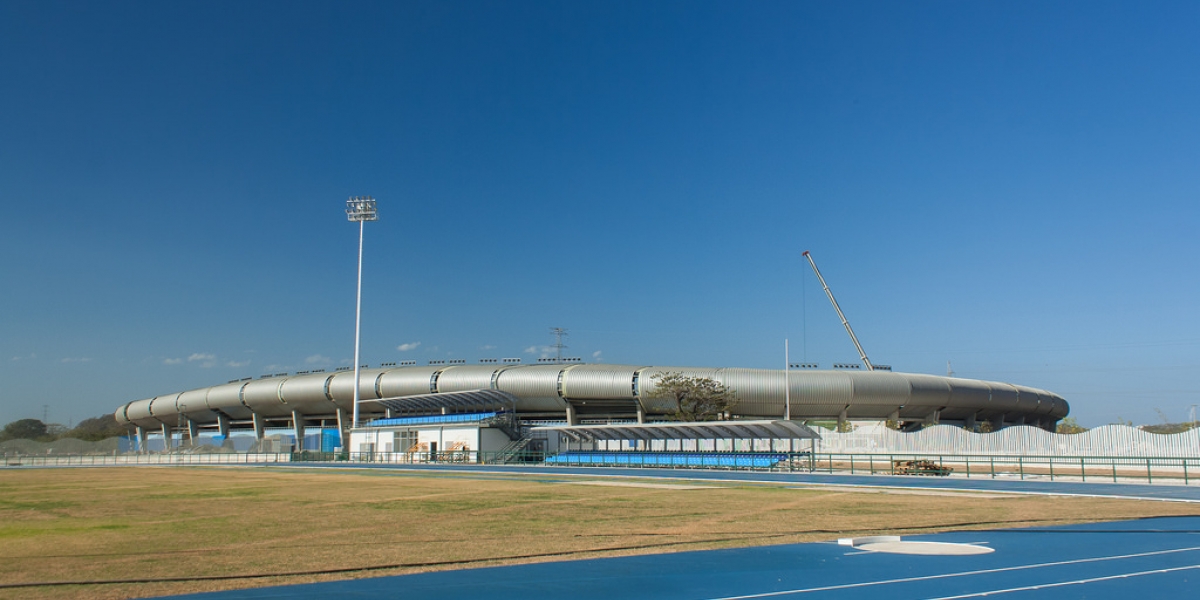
{"points": [[699, 430], [450, 402]]}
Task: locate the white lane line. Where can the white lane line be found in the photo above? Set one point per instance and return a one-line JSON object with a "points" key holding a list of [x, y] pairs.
{"points": [[846, 586], [1046, 586]]}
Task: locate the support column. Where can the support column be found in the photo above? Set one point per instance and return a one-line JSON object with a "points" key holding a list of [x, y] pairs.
{"points": [[998, 423], [343, 440], [142, 435], [971, 422], [193, 431], [571, 415], [259, 427], [166, 429], [223, 425], [641, 414], [841, 424], [298, 429]]}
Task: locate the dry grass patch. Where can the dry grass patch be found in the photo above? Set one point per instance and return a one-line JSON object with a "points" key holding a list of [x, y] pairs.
{"points": [[155, 523]]}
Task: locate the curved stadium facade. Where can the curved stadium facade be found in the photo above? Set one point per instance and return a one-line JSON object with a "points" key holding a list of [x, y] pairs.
{"points": [[581, 392]]}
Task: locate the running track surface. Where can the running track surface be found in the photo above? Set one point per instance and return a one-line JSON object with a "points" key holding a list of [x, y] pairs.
{"points": [[1149, 558]]}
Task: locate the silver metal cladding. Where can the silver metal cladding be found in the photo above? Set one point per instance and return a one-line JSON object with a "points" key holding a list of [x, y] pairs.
{"points": [[227, 398], [535, 385], [194, 404], [119, 414], [823, 389], [306, 393], [164, 409], [463, 378], [406, 381], [759, 391], [598, 382], [262, 396], [341, 386], [542, 388], [139, 414]]}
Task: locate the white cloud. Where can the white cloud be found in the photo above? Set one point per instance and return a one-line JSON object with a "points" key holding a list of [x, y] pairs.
{"points": [[207, 361], [408, 346], [234, 363], [487, 347], [30, 357], [75, 360], [172, 361], [317, 359], [544, 351], [596, 356]]}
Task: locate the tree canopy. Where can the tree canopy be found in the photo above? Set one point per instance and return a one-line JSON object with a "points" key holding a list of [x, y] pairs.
{"points": [[90, 430], [24, 429], [1069, 425], [97, 428], [696, 398]]}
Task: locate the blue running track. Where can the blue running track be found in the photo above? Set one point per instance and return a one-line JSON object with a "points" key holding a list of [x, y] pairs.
{"points": [[1151, 558]]}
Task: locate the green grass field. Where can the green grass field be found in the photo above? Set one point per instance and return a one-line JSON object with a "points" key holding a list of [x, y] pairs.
{"points": [[189, 529]]}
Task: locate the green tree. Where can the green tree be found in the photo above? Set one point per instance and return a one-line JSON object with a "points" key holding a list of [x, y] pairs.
{"points": [[696, 398], [97, 428], [25, 429], [1069, 425]]}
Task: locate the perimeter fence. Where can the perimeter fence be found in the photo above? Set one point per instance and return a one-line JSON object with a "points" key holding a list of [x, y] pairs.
{"points": [[1106, 469], [100, 460], [1111, 469]]}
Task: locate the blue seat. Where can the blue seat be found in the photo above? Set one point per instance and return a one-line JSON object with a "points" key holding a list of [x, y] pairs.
{"points": [[669, 459]]}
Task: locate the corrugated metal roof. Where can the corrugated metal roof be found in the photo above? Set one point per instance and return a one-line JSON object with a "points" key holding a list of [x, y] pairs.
{"points": [[700, 430]]}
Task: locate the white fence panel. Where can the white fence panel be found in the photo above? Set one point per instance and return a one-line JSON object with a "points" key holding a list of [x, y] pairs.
{"points": [[1109, 440]]}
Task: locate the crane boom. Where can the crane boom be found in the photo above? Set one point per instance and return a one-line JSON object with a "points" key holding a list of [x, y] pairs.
{"points": [[845, 323]]}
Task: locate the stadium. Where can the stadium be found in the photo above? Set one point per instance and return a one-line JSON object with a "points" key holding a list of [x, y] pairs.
{"points": [[496, 405]]}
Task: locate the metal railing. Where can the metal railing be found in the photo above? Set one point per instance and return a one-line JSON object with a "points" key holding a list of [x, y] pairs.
{"points": [[1110, 469], [160, 458], [1099, 469]]}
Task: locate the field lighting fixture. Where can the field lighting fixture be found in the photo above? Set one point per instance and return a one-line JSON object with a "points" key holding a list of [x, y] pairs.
{"points": [[360, 209]]}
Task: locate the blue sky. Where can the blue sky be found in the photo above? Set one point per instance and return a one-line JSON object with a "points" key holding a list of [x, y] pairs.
{"points": [[1008, 186]]}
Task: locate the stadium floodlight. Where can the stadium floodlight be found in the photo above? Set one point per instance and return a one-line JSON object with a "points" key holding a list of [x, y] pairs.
{"points": [[361, 209]]}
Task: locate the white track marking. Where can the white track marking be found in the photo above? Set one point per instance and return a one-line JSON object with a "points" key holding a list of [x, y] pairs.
{"points": [[847, 586], [1065, 583]]}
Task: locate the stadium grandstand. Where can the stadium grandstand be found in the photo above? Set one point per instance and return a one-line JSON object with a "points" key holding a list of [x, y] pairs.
{"points": [[499, 406]]}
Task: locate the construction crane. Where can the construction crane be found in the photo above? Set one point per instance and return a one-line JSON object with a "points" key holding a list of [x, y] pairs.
{"points": [[863, 355]]}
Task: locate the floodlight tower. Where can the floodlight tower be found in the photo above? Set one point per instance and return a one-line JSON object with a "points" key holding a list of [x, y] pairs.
{"points": [[361, 209]]}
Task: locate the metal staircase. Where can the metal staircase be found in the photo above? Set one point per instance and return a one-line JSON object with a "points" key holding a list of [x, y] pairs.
{"points": [[514, 452]]}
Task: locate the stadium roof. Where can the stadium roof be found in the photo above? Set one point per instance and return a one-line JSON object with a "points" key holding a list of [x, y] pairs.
{"points": [[700, 430], [469, 401]]}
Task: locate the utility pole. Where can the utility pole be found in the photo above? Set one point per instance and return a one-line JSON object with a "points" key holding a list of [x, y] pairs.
{"points": [[559, 334]]}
